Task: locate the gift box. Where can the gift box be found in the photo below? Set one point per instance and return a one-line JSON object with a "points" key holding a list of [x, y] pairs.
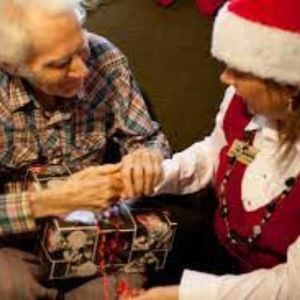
{"points": [[39, 177], [120, 239]]}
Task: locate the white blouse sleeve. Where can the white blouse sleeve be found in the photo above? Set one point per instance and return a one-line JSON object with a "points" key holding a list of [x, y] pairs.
{"points": [[192, 169], [280, 282]]}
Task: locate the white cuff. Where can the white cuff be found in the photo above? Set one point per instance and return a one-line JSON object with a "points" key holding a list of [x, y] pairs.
{"points": [[169, 183], [197, 286]]}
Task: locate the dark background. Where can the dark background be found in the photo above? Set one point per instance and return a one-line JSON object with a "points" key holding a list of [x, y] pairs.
{"points": [[168, 49], [169, 52]]}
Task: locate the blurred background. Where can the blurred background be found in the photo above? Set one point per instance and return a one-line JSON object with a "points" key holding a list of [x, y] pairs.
{"points": [[168, 49]]}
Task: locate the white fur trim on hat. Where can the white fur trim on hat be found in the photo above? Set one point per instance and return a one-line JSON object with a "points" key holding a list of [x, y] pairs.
{"points": [[264, 51]]}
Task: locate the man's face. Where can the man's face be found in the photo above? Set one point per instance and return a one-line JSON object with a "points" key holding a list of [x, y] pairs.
{"points": [[57, 66]]}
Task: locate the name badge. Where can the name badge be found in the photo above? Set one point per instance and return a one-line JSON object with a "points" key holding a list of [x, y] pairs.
{"points": [[243, 152]]}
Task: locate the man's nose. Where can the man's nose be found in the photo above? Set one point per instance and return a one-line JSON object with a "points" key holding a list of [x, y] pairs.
{"points": [[78, 69]]}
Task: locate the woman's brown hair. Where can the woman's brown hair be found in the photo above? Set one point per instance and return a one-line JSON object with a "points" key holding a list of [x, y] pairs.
{"points": [[290, 128]]}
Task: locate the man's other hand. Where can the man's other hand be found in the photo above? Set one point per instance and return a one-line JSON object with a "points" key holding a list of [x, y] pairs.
{"points": [[94, 188]]}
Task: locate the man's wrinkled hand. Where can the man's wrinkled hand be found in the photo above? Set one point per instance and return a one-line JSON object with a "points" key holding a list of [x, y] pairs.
{"points": [[94, 188], [141, 171], [93, 172]]}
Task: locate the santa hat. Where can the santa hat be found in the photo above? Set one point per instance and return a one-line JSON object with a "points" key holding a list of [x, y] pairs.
{"points": [[261, 37]]}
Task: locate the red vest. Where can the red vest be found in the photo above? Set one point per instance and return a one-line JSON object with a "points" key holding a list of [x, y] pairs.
{"points": [[279, 232]]}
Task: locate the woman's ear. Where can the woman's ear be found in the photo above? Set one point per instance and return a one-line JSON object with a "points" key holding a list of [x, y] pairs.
{"points": [[295, 96], [289, 91], [293, 91], [296, 93]]}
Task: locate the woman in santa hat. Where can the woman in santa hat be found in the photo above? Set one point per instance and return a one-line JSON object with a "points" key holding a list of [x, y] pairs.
{"points": [[252, 157]]}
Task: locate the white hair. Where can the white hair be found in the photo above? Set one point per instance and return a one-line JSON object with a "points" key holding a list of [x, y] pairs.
{"points": [[15, 41]]}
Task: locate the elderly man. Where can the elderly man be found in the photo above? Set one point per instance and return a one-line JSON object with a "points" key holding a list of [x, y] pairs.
{"points": [[64, 94]]}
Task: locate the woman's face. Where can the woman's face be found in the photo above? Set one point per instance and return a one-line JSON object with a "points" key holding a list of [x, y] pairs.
{"points": [[261, 96]]}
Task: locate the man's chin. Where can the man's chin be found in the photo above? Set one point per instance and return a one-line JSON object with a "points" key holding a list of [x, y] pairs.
{"points": [[59, 93], [69, 93]]}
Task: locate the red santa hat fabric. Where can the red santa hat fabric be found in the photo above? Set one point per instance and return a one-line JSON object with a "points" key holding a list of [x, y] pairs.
{"points": [[165, 3], [209, 7], [261, 37]]}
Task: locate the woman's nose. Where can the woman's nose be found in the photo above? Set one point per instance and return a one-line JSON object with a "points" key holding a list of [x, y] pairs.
{"points": [[227, 77]]}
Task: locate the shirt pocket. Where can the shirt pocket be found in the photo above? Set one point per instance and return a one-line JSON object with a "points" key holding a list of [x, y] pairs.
{"points": [[24, 154], [17, 149], [88, 150]]}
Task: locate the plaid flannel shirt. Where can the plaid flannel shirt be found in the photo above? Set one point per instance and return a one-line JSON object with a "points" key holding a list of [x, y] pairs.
{"points": [[76, 133]]}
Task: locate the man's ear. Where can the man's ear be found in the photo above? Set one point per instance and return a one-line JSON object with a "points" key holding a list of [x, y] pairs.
{"points": [[8, 68], [15, 70]]}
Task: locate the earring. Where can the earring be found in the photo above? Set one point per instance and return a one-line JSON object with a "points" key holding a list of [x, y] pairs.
{"points": [[290, 105]]}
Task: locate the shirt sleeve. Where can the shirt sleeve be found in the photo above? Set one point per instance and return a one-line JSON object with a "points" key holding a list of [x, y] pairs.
{"points": [[280, 282], [193, 168], [133, 126], [15, 214]]}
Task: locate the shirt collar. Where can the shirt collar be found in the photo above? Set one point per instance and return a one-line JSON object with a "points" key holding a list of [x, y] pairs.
{"points": [[3, 79], [16, 92], [19, 93], [256, 123], [267, 128]]}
